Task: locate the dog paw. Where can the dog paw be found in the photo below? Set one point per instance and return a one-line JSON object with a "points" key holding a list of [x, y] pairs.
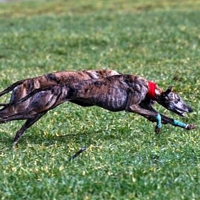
{"points": [[157, 130], [190, 126]]}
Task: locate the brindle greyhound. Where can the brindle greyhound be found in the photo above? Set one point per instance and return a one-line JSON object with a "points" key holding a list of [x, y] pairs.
{"points": [[116, 93], [24, 87]]}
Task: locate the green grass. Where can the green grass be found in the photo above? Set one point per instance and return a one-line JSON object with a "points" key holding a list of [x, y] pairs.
{"points": [[124, 159]]}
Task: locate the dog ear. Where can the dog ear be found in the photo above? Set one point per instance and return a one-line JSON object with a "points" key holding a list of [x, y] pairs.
{"points": [[168, 90]]}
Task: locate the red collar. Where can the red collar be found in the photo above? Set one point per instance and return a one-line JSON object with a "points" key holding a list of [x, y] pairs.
{"points": [[151, 92]]}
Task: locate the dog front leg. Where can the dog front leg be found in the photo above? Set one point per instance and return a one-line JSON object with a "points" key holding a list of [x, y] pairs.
{"points": [[147, 104], [183, 125], [150, 115], [167, 120]]}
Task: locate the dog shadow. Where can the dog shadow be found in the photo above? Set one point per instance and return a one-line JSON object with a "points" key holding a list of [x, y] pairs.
{"points": [[52, 139]]}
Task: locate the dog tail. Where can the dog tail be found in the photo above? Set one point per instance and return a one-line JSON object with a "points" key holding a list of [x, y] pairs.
{"points": [[8, 114], [21, 109], [5, 114], [31, 94], [11, 87]]}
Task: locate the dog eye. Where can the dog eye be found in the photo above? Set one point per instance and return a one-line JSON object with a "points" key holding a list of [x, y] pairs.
{"points": [[178, 99]]}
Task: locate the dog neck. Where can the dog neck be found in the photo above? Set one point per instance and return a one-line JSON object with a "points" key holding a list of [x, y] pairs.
{"points": [[154, 91]]}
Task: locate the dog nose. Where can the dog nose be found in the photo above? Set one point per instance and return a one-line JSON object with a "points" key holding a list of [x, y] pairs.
{"points": [[190, 109]]}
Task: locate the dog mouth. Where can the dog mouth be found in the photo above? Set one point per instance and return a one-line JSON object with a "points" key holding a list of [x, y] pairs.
{"points": [[181, 112]]}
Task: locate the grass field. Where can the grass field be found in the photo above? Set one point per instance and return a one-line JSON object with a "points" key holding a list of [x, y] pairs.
{"points": [[124, 159]]}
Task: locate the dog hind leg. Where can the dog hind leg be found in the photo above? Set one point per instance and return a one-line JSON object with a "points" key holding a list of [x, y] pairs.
{"points": [[27, 125]]}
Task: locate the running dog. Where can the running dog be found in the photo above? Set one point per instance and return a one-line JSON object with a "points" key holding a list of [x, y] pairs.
{"points": [[115, 93]]}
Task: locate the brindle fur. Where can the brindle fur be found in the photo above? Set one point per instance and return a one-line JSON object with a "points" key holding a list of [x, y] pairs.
{"points": [[22, 88], [115, 93]]}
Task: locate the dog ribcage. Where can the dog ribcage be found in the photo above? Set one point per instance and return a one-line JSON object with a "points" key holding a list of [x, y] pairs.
{"points": [[112, 98]]}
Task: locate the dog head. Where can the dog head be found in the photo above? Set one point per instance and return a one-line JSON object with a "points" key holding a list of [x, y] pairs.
{"points": [[174, 102]]}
